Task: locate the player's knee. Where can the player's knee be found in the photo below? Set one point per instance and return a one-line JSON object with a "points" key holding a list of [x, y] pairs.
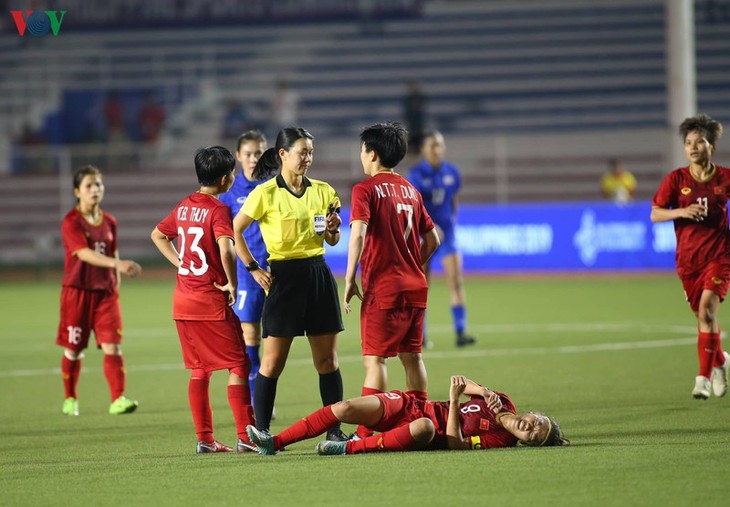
{"points": [[343, 410], [199, 374], [326, 364], [422, 430], [239, 371]]}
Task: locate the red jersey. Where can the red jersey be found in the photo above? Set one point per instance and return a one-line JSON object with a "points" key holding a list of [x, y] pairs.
{"points": [[197, 222], [478, 423], [698, 242], [391, 259], [76, 234]]}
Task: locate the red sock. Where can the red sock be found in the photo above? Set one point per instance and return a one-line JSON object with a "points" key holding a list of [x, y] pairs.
{"points": [[200, 405], [398, 439], [70, 371], [363, 431], [314, 424], [719, 359], [115, 374], [239, 398], [421, 395], [706, 344]]}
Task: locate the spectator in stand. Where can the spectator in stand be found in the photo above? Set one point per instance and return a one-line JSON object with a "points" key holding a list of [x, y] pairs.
{"points": [[617, 183], [151, 119], [414, 113], [114, 118], [284, 111]]}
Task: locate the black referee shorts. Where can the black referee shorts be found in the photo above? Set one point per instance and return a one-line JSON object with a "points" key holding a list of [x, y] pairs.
{"points": [[302, 300]]}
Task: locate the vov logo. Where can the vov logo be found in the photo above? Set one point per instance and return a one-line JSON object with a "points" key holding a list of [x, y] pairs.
{"points": [[38, 23]]}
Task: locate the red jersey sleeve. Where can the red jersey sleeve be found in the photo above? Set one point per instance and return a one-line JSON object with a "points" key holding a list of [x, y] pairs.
{"points": [[73, 235], [360, 204], [666, 194]]}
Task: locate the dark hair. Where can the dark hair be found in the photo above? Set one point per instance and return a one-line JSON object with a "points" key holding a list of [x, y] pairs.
{"points": [[270, 162], [388, 139], [710, 129], [555, 435], [212, 163], [251, 135], [83, 171]]}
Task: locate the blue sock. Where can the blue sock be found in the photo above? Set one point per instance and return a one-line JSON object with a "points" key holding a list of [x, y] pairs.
{"points": [[253, 356], [459, 315]]}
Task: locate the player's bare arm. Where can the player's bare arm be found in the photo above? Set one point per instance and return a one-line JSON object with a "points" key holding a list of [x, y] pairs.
{"points": [[358, 229], [695, 212], [165, 246], [429, 245], [228, 259], [125, 266], [494, 402], [454, 437]]}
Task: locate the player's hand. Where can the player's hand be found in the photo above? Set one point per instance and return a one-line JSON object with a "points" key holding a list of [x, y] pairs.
{"points": [[263, 278], [695, 212], [351, 289], [230, 290], [129, 268], [494, 402], [458, 386]]}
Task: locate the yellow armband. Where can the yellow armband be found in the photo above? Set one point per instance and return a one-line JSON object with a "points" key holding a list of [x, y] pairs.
{"points": [[475, 443]]}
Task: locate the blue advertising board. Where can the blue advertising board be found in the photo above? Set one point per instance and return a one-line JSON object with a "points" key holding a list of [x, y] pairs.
{"points": [[544, 237]]}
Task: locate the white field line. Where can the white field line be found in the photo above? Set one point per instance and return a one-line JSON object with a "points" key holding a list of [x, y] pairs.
{"points": [[460, 353]]}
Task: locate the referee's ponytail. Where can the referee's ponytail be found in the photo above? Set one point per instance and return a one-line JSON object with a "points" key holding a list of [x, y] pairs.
{"points": [[269, 164]]}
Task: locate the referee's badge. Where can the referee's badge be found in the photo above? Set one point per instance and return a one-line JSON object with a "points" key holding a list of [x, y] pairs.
{"points": [[319, 224]]}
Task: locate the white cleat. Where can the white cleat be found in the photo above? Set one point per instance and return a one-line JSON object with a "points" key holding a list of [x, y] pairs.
{"points": [[719, 377], [702, 388]]}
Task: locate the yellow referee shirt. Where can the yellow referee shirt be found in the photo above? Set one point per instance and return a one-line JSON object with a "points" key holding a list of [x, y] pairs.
{"points": [[292, 227]]}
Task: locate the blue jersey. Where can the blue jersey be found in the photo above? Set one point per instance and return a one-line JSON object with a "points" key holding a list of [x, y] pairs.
{"points": [[234, 199], [438, 187]]}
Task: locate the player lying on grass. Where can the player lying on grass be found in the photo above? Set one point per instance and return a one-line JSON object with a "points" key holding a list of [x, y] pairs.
{"points": [[488, 420]]}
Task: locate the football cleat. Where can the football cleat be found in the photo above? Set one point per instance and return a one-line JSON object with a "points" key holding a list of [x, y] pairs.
{"points": [[242, 446], [336, 435], [719, 377], [214, 446], [123, 405], [702, 388], [263, 439], [331, 448], [462, 340], [70, 406]]}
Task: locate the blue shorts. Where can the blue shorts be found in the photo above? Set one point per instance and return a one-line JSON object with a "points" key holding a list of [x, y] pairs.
{"points": [[249, 304], [448, 243]]}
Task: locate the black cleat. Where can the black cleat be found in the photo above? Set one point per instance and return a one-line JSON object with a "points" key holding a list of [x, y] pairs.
{"points": [[463, 340], [336, 435]]}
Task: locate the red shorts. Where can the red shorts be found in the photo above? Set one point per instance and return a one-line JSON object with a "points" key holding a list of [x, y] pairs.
{"points": [[715, 277], [83, 311], [212, 345], [385, 333], [399, 408]]}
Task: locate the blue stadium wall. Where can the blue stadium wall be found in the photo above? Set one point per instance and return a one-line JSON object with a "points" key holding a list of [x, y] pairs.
{"points": [[576, 237]]}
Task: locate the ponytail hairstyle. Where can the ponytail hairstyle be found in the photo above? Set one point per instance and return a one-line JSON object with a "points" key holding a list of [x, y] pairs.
{"points": [[270, 162]]}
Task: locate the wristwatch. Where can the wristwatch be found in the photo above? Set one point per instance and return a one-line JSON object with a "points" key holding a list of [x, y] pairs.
{"points": [[253, 266]]}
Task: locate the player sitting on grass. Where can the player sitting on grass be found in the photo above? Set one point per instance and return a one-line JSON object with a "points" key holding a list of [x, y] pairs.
{"points": [[488, 420]]}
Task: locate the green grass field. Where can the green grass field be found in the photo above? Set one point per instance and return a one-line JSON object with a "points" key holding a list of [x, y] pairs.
{"points": [[612, 358]]}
